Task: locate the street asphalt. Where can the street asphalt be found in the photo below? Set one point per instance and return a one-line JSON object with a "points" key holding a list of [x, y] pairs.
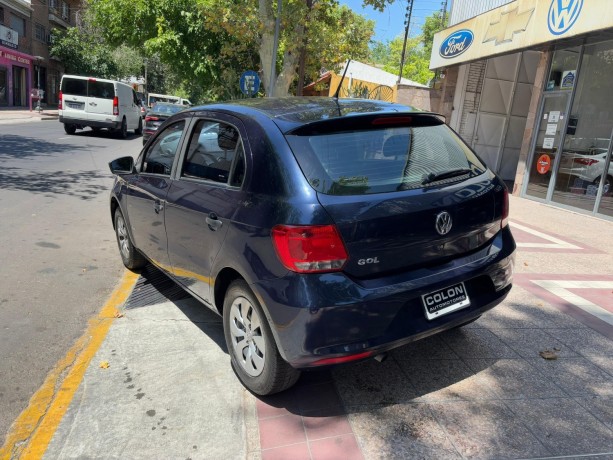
{"points": [[533, 378]]}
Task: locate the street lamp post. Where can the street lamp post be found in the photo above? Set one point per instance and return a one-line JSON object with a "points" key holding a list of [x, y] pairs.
{"points": [[38, 60]]}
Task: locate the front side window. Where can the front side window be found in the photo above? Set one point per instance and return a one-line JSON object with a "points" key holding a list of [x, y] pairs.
{"points": [[213, 151], [372, 158], [160, 156]]}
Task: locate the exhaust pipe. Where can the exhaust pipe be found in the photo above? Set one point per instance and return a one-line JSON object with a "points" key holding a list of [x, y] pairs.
{"points": [[381, 357]]}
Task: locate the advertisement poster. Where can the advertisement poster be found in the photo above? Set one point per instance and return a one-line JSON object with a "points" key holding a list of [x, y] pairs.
{"points": [[554, 116], [552, 128], [568, 79], [548, 143]]}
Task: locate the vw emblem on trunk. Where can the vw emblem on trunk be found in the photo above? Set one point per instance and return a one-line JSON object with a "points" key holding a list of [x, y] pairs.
{"points": [[443, 223]]}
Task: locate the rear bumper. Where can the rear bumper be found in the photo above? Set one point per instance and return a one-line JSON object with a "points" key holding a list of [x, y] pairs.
{"points": [[315, 317], [82, 122]]}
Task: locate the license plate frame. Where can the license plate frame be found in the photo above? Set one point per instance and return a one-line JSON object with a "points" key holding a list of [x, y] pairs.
{"points": [[446, 300], [75, 105]]}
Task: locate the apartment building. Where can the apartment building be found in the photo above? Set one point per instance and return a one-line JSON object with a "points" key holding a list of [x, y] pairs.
{"points": [[25, 61]]}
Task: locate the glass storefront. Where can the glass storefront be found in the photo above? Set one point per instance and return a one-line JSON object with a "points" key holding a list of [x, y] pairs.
{"points": [[571, 156], [4, 84]]}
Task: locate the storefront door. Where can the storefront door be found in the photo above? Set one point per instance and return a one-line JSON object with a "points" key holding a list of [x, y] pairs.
{"points": [[545, 154], [19, 87]]}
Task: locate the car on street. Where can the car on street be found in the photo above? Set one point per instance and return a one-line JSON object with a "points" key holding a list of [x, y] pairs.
{"points": [[589, 166], [98, 103], [158, 115], [323, 231]]}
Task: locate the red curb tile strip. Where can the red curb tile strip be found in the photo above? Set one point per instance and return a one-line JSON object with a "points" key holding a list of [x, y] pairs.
{"points": [[306, 422]]}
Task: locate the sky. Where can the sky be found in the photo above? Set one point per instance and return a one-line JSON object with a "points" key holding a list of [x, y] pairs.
{"points": [[390, 23]]}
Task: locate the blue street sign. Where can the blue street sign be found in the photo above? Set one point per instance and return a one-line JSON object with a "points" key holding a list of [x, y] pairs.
{"points": [[250, 83]]}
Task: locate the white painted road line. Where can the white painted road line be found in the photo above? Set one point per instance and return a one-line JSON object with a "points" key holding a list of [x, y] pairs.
{"points": [[561, 288], [556, 243]]}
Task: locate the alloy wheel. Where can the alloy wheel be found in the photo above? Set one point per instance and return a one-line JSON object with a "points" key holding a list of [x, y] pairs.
{"points": [[123, 238]]}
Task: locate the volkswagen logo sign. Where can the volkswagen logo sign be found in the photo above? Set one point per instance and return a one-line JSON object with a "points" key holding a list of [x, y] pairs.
{"points": [[443, 223], [562, 15], [456, 43]]}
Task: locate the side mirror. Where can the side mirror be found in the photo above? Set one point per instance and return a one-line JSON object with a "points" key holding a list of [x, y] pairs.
{"points": [[122, 166]]}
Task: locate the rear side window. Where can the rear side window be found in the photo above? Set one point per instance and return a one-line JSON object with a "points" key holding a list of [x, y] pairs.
{"points": [[377, 160], [74, 87]]}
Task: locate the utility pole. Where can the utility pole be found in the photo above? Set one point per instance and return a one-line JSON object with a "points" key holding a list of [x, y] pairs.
{"points": [[443, 14], [407, 23]]}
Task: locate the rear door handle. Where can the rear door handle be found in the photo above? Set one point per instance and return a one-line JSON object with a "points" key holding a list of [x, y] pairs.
{"points": [[213, 222]]}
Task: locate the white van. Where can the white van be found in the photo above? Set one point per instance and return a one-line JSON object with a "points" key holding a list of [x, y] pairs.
{"points": [[153, 98], [98, 103]]}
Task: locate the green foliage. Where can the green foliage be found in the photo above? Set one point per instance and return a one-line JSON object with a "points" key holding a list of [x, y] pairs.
{"points": [[417, 54], [82, 54]]}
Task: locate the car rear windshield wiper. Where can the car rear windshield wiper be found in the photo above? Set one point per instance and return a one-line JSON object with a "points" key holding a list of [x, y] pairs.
{"points": [[432, 177]]}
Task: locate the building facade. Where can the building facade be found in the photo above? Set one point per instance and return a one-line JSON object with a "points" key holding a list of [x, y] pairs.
{"points": [[25, 62], [532, 94]]}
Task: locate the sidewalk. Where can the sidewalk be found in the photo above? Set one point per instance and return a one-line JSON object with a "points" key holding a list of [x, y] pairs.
{"points": [[533, 378], [10, 115]]}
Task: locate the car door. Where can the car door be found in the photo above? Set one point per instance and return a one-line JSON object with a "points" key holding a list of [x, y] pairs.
{"points": [[202, 201], [147, 193]]}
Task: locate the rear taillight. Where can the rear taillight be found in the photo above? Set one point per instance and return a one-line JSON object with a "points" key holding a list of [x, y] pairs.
{"points": [[309, 248], [148, 118], [115, 105], [60, 101], [505, 209], [584, 161]]}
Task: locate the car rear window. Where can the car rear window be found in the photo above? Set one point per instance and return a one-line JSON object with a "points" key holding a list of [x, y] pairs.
{"points": [[101, 90], [88, 88], [74, 87], [376, 157]]}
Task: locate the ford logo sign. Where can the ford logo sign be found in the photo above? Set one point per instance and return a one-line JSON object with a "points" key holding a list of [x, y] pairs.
{"points": [[562, 15], [456, 43]]}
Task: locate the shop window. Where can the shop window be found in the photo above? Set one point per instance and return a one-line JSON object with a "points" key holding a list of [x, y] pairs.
{"points": [[3, 86], [585, 158], [40, 33], [563, 69], [19, 25]]}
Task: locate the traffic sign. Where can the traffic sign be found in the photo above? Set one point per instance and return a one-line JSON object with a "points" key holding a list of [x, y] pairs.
{"points": [[250, 83]]}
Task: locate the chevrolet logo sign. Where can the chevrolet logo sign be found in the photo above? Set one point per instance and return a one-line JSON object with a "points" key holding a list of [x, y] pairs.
{"points": [[508, 24]]}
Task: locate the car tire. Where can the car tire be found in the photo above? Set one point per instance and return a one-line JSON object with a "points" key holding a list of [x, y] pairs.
{"points": [[70, 129], [607, 187], [138, 131], [251, 345], [130, 256], [123, 130]]}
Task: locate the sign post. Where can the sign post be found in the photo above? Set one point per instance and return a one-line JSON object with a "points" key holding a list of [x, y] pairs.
{"points": [[249, 83]]}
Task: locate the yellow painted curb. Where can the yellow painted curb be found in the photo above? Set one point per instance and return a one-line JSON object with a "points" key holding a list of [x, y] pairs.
{"points": [[31, 433]]}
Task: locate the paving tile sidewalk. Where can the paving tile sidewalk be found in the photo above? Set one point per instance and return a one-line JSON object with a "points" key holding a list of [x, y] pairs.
{"points": [[9, 116], [483, 391]]}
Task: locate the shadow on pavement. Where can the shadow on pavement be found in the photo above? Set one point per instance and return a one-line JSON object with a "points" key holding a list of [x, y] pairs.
{"points": [[78, 184], [21, 147]]}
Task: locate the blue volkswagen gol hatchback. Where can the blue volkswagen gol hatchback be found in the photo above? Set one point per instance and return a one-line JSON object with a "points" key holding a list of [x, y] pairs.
{"points": [[322, 230]]}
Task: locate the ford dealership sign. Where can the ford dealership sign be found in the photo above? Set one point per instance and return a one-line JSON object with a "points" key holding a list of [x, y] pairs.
{"points": [[456, 43]]}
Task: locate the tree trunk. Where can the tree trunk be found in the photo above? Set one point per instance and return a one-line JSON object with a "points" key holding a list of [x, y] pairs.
{"points": [[303, 49], [266, 43]]}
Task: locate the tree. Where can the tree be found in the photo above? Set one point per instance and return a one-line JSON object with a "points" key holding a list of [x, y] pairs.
{"points": [[81, 53]]}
